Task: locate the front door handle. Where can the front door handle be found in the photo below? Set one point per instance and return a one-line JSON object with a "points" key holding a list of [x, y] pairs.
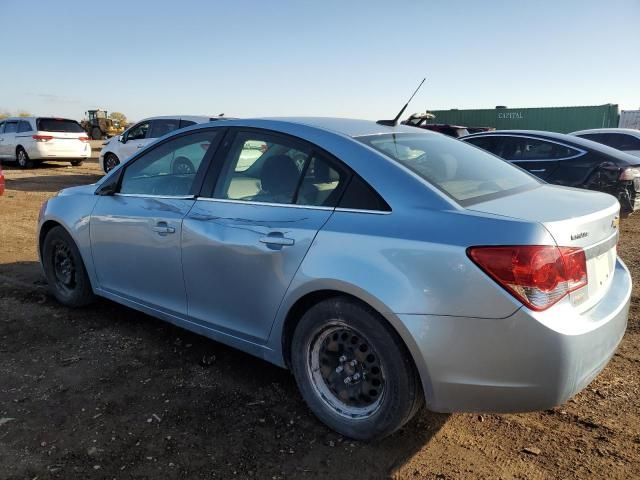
{"points": [[140, 146], [162, 228], [277, 239]]}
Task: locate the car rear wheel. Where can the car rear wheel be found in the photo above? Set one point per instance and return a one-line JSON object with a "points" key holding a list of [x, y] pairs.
{"points": [[76, 163], [23, 159], [64, 269], [111, 161], [182, 165], [353, 370]]}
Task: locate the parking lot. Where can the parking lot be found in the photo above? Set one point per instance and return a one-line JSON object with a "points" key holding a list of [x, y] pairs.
{"points": [[107, 392]]}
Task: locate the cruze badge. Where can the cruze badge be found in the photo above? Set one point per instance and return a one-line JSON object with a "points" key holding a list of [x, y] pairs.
{"points": [[577, 236]]}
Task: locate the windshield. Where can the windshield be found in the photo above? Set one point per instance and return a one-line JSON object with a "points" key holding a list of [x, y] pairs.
{"points": [[465, 173], [59, 125]]}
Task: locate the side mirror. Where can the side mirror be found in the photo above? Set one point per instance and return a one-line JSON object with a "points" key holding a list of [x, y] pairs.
{"points": [[122, 139], [110, 185]]}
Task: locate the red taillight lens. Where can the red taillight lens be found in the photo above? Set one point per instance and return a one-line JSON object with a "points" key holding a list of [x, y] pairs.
{"points": [[42, 138], [83, 139], [537, 275]]}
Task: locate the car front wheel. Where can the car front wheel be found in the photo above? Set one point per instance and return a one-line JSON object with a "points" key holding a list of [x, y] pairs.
{"points": [[353, 370], [110, 162], [64, 269]]}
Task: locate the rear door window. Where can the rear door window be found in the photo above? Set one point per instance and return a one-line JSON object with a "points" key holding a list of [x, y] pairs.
{"points": [[464, 173], [11, 127], [532, 149], [58, 125], [162, 126]]}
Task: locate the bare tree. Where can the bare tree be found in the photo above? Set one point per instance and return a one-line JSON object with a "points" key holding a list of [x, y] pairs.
{"points": [[119, 117], [23, 113]]}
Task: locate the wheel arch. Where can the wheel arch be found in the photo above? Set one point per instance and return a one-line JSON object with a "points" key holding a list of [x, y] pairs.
{"points": [[306, 301]]}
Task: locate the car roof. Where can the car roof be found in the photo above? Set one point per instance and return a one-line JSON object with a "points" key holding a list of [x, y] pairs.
{"points": [[629, 131], [344, 126], [571, 140], [194, 118]]}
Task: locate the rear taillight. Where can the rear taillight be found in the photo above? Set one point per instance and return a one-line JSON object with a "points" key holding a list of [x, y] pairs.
{"points": [[83, 139], [42, 138], [537, 275], [629, 173]]}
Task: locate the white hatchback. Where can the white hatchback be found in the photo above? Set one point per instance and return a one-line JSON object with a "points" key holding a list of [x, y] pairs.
{"points": [[30, 139], [625, 139], [119, 149]]}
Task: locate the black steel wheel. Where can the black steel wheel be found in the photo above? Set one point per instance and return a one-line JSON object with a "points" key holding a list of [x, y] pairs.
{"points": [[64, 269], [111, 161], [353, 369]]}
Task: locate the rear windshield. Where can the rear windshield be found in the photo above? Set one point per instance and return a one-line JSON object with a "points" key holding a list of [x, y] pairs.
{"points": [[465, 173], [59, 125]]}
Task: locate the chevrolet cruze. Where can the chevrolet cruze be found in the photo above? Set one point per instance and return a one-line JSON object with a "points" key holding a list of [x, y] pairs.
{"points": [[387, 267]]}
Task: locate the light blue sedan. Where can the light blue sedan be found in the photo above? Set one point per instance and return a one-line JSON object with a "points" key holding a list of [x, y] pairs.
{"points": [[389, 267]]}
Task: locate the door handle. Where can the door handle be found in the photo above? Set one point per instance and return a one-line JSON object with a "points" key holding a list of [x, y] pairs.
{"points": [[277, 239], [162, 228], [140, 146]]}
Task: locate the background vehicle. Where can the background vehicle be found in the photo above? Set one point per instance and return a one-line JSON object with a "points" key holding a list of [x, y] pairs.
{"points": [[568, 160], [625, 139], [386, 266], [98, 125], [421, 120], [120, 148], [30, 139], [629, 119]]}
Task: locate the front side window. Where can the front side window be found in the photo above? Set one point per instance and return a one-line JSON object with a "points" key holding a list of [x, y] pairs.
{"points": [[11, 127], [58, 125], [24, 126], [620, 141], [465, 173], [138, 132], [169, 169], [163, 126], [271, 169]]}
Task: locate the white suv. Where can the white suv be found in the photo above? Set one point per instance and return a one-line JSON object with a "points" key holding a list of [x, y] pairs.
{"points": [[119, 149], [30, 139]]}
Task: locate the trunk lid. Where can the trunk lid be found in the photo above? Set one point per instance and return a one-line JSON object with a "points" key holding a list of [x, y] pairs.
{"points": [[574, 218]]}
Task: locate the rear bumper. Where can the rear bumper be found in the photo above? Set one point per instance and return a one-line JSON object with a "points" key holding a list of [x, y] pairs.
{"points": [[527, 361], [42, 151]]}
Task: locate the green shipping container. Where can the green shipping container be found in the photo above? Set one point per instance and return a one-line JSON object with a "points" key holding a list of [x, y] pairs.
{"points": [[553, 119]]}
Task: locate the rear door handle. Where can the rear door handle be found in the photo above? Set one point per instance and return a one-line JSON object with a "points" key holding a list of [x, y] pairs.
{"points": [[274, 239], [162, 228]]}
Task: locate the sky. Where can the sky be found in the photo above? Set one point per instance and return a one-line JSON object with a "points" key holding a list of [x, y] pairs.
{"points": [[359, 59]]}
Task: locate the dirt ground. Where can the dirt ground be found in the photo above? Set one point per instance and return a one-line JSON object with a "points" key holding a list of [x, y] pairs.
{"points": [[107, 392]]}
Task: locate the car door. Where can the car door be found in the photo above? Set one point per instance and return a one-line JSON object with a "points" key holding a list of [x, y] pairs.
{"points": [[134, 139], [136, 232], [245, 239], [2, 154], [9, 139]]}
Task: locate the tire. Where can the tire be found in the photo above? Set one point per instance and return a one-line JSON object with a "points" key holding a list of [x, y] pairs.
{"points": [[111, 161], [64, 269], [22, 158], [182, 165], [96, 133], [77, 163], [383, 391]]}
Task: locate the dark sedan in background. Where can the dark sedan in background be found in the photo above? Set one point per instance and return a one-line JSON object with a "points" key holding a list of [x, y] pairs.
{"points": [[568, 160]]}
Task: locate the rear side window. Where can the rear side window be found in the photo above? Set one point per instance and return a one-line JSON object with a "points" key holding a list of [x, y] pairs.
{"points": [[24, 126], [10, 127], [465, 173], [58, 125], [524, 148], [186, 123], [360, 196]]}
